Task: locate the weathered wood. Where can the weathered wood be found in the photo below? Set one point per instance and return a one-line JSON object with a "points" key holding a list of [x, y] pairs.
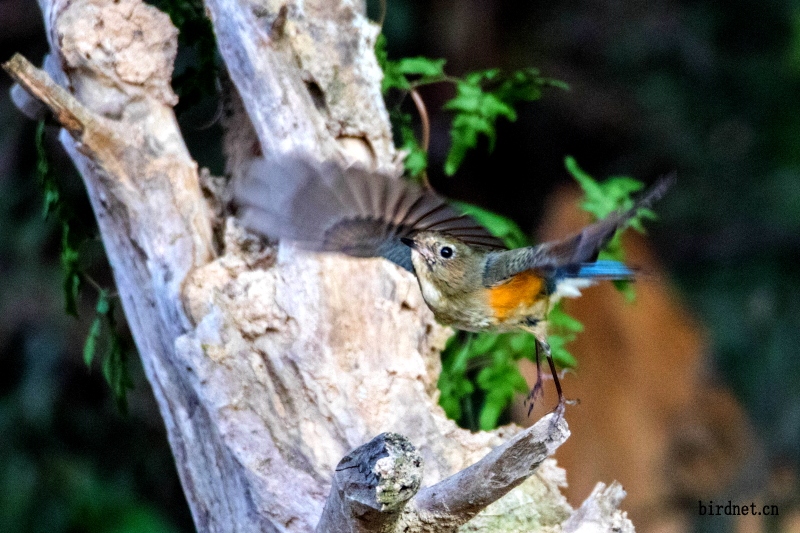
{"points": [[600, 512], [372, 485], [375, 481], [464, 494]]}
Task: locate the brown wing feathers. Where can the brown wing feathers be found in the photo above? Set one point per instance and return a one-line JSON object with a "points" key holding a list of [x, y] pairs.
{"points": [[583, 247], [325, 208]]}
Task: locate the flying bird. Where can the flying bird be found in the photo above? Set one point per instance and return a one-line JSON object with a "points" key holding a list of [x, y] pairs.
{"points": [[466, 275]]}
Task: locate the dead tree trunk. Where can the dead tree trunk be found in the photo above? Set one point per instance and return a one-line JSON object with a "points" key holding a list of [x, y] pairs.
{"points": [[270, 365]]}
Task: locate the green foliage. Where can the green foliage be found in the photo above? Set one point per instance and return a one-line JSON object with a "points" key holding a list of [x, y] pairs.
{"points": [[454, 384], [416, 161], [563, 330], [501, 227], [603, 198], [115, 365], [70, 265], [90, 346], [481, 98], [54, 206], [404, 75], [486, 362], [115, 368], [45, 175], [501, 380], [63, 494], [396, 74], [480, 369], [115, 362]]}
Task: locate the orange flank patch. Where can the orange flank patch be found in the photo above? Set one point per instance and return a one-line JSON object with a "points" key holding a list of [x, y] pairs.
{"points": [[520, 291]]}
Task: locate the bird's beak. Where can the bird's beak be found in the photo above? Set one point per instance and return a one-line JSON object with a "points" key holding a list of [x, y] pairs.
{"points": [[411, 243]]}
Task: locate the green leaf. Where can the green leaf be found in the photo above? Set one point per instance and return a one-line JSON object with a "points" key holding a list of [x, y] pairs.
{"points": [[559, 319], [602, 199], [501, 227], [416, 161], [481, 98], [491, 106], [115, 365], [490, 412], [563, 330], [558, 351], [464, 136], [102, 309], [625, 288], [502, 376], [393, 78], [469, 126], [454, 388], [103, 306], [521, 343], [381, 54], [45, 175], [462, 354], [70, 264], [467, 98], [115, 370], [396, 73], [483, 342], [421, 66], [501, 381], [453, 383], [90, 345], [590, 187]]}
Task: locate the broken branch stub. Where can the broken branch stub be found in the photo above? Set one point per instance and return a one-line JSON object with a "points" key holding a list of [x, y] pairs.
{"points": [[375, 486], [371, 486]]}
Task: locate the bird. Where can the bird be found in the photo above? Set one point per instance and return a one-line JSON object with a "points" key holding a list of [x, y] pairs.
{"points": [[466, 275]]}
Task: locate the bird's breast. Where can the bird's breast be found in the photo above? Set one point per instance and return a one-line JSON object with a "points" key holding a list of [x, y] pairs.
{"points": [[463, 310], [506, 306], [522, 295]]}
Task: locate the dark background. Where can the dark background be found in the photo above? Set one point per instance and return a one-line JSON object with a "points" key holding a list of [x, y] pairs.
{"points": [[707, 88]]}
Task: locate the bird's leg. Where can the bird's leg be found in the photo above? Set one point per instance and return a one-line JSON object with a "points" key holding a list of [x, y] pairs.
{"points": [[537, 389], [559, 410]]}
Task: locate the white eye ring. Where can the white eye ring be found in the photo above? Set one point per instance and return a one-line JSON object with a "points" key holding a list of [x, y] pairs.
{"points": [[446, 252]]}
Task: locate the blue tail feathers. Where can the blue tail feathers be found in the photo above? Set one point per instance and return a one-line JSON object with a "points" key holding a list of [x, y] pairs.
{"points": [[597, 270]]}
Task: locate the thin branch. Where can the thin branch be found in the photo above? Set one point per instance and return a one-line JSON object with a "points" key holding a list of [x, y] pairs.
{"points": [[382, 17], [67, 110], [97, 287], [426, 130], [463, 495], [423, 115]]}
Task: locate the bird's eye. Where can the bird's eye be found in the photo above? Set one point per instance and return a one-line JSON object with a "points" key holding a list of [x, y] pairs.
{"points": [[446, 252]]}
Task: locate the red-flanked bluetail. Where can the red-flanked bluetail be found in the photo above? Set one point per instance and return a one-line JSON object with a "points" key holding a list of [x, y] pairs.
{"points": [[467, 277]]}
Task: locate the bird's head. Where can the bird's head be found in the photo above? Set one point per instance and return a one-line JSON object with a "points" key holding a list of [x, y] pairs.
{"points": [[444, 264]]}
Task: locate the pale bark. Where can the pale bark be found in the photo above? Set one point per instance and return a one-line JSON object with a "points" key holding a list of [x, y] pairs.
{"points": [[269, 365]]}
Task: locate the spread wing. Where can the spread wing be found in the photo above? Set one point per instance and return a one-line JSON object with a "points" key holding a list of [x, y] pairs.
{"points": [[323, 207], [574, 251]]}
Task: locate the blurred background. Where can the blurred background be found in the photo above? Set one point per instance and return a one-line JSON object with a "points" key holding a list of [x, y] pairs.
{"points": [[690, 394]]}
